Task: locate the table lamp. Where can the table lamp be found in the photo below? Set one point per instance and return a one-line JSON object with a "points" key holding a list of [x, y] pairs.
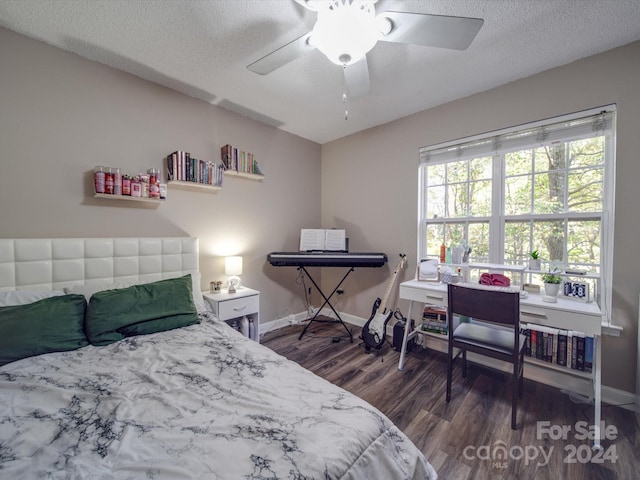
{"points": [[233, 268]]}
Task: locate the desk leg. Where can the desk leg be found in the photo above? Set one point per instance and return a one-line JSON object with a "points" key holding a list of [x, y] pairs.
{"points": [[405, 338], [597, 388]]}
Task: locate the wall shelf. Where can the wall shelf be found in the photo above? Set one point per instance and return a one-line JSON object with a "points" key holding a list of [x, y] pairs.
{"points": [[127, 198], [186, 185], [235, 173]]}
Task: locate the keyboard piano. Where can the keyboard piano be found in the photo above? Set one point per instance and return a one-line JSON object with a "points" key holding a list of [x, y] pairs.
{"points": [[326, 259]]}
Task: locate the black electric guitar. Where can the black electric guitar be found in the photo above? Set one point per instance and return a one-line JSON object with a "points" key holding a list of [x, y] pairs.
{"points": [[374, 331]]}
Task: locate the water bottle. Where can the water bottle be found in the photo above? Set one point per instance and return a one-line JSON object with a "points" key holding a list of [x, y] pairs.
{"points": [[244, 326], [252, 329]]}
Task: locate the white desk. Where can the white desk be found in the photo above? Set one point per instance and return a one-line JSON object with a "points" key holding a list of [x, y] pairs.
{"points": [[566, 314]]}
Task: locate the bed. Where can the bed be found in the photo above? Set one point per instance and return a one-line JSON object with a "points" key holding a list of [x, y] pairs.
{"points": [[164, 391]]}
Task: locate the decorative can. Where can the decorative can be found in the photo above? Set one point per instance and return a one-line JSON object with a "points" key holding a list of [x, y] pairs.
{"points": [[126, 185], [108, 181], [98, 179], [136, 187], [154, 190], [144, 183], [154, 187], [117, 181]]}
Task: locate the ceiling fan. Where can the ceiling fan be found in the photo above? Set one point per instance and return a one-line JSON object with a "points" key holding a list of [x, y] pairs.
{"points": [[346, 30]]}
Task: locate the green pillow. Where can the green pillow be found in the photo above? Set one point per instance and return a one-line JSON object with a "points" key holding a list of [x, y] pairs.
{"points": [[141, 309], [54, 324]]}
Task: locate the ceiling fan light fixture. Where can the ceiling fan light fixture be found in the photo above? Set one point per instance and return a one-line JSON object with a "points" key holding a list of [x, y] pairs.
{"points": [[385, 25], [345, 30]]}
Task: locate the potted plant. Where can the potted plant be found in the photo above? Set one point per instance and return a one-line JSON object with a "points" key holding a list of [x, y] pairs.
{"points": [[534, 261], [552, 282]]}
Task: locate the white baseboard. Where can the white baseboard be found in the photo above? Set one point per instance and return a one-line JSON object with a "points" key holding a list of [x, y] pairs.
{"points": [[293, 319], [562, 381]]}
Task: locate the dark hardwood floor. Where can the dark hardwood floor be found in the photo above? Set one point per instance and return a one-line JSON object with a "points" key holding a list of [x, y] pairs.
{"points": [[471, 437]]}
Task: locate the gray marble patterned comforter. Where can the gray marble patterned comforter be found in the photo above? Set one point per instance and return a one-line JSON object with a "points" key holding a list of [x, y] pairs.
{"points": [[200, 402]]}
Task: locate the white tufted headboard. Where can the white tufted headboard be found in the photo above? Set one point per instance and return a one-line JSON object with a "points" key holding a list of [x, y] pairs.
{"points": [[55, 263]]}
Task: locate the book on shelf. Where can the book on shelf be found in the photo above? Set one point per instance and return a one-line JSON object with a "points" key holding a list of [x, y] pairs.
{"points": [[561, 357], [434, 319], [240, 161], [182, 166], [580, 351], [588, 353], [565, 348]]}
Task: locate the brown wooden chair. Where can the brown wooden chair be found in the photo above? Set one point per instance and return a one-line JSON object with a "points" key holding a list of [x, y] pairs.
{"points": [[493, 332]]}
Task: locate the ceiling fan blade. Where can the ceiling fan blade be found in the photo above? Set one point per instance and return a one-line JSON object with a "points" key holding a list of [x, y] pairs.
{"points": [[283, 55], [308, 4], [430, 30], [357, 78]]}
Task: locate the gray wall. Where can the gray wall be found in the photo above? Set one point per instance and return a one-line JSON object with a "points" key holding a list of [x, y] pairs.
{"points": [[62, 114], [369, 180]]}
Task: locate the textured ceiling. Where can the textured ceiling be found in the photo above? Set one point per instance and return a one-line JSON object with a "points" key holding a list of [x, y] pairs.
{"points": [[202, 48]]}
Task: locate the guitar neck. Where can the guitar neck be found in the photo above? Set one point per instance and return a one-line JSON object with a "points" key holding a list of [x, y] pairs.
{"points": [[387, 293]]}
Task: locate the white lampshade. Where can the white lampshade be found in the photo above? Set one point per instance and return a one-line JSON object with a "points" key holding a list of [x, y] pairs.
{"points": [[233, 265], [345, 30], [233, 268]]}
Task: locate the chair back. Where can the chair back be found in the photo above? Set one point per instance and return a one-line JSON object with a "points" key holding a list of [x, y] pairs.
{"points": [[490, 304], [496, 305]]}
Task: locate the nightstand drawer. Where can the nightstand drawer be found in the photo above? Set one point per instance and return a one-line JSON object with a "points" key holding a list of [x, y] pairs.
{"points": [[238, 307]]}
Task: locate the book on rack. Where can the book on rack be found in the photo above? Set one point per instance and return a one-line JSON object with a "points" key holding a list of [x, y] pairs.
{"points": [[323, 239]]}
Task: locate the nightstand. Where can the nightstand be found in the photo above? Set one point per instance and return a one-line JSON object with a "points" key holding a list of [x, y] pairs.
{"points": [[231, 307]]}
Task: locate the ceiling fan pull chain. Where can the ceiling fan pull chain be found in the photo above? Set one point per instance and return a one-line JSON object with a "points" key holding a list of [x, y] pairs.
{"points": [[345, 98]]}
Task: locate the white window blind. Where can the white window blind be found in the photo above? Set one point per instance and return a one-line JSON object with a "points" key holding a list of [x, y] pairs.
{"points": [[570, 127]]}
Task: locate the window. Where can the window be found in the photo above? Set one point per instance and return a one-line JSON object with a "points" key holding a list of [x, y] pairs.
{"points": [[546, 186]]}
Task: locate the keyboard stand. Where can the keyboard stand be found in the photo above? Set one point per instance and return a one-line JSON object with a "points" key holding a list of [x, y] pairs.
{"points": [[301, 260], [326, 302]]}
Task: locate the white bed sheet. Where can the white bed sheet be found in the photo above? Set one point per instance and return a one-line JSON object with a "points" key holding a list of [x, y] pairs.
{"points": [[197, 402]]}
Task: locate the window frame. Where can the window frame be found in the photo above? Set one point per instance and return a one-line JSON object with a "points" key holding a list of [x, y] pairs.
{"points": [[488, 144]]}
